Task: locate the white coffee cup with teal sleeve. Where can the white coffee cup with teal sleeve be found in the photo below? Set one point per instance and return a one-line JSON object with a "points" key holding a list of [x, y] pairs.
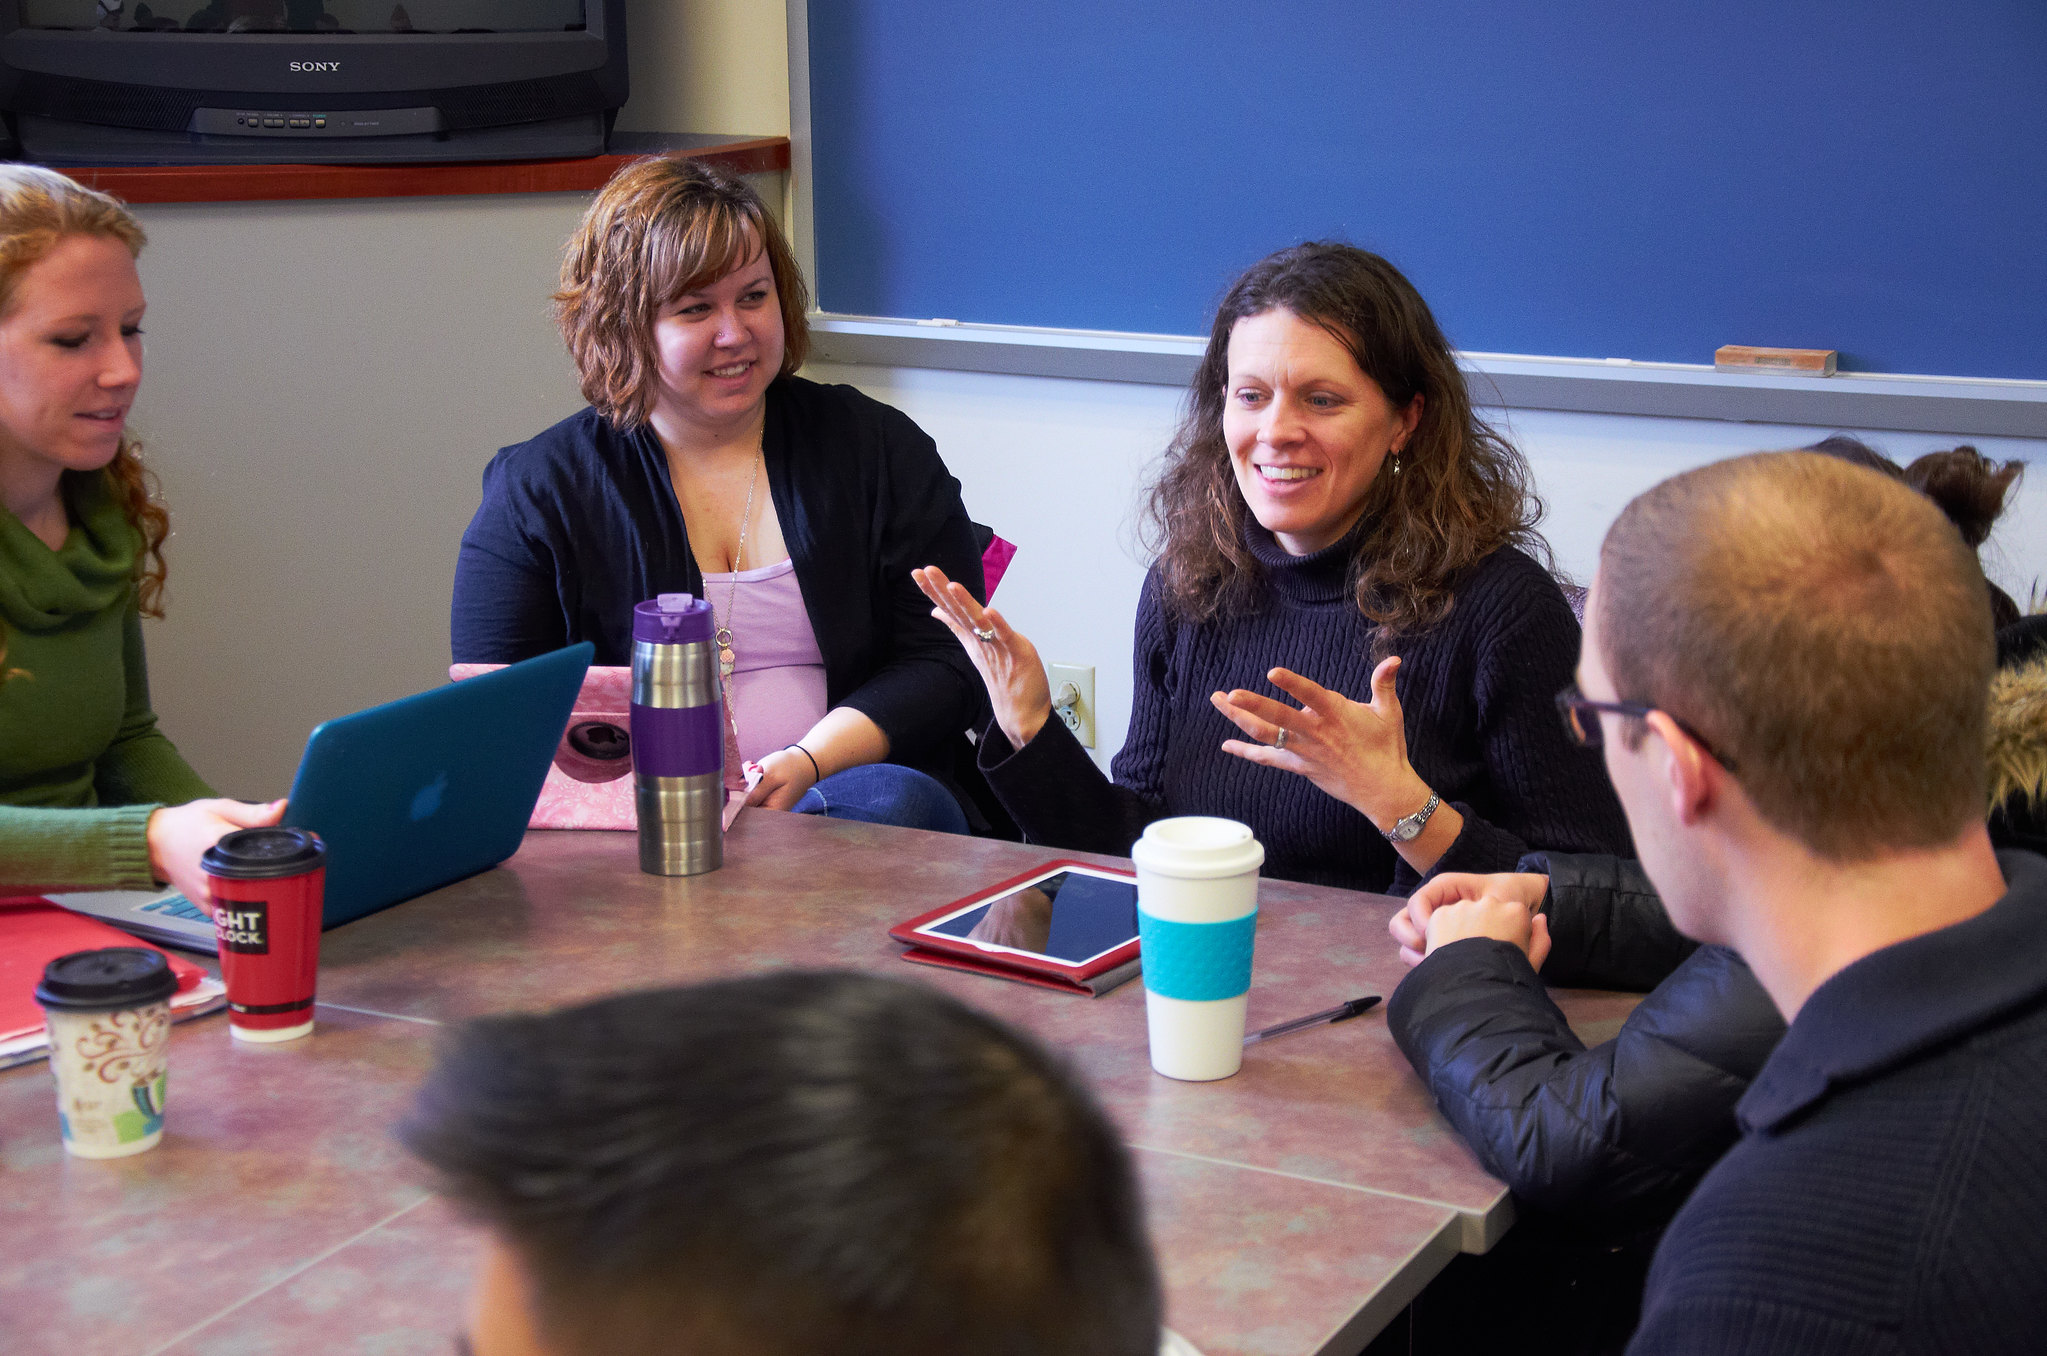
{"points": [[1197, 922]]}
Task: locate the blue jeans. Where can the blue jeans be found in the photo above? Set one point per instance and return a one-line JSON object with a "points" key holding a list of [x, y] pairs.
{"points": [[885, 793]]}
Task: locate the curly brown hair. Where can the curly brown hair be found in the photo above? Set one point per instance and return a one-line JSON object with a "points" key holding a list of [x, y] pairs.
{"points": [[663, 226], [38, 208], [1462, 492]]}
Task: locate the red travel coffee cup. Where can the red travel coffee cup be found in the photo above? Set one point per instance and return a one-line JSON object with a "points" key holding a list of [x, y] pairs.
{"points": [[268, 886]]}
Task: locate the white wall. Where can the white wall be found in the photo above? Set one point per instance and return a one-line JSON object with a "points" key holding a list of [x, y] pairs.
{"points": [[1057, 467], [708, 66], [323, 384]]}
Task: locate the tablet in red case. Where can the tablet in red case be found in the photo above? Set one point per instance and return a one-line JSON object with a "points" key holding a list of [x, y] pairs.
{"points": [[1080, 935]]}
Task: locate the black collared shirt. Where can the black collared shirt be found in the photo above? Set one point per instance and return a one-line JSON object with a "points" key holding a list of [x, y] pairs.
{"points": [[1889, 1191]]}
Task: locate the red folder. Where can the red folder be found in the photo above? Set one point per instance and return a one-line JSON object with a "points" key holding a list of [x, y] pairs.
{"points": [[34, 932]]}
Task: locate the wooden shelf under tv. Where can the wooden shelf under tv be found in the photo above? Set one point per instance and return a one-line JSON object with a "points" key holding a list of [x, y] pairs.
{"points": [[259, 183]]}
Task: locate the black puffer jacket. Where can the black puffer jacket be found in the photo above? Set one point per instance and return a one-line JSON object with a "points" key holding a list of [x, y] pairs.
{"points": [[1618, 1134]]}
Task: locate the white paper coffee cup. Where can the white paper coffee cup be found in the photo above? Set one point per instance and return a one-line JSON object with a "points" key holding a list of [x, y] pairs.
{"points": [[1197, 915], [110, 1078], [108, 1014]]}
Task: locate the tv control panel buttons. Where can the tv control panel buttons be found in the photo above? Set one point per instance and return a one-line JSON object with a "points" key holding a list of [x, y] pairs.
{"points": [[367, 122]]}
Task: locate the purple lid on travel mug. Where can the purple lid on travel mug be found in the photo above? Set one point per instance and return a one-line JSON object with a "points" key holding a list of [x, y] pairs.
{"points": [[673, 619]]}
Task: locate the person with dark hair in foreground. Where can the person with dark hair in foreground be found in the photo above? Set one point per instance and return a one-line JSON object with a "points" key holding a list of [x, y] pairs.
{"points": [[1758, 633], [794, 1163]]}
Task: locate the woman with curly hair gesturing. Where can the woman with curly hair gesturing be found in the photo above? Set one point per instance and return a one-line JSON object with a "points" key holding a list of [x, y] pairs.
{"points": [[1335, 523], [91, 793]]}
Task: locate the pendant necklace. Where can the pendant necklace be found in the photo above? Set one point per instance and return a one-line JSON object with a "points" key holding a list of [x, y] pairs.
{"points": [[723, 636]]}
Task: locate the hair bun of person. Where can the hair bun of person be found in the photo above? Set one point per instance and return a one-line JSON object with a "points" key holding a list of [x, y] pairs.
{"points": [[1970, 488]]}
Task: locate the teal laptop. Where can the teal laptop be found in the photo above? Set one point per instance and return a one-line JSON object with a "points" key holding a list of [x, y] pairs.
{"points": [[408, 796]]}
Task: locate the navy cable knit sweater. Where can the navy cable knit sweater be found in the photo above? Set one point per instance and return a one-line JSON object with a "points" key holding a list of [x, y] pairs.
{"points": [[1478, 694]]}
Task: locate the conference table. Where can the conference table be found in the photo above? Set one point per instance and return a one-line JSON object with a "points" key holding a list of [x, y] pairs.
{"points": [[1296, 1207]]}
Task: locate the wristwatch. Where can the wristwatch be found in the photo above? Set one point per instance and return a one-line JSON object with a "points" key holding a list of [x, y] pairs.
{"points": [[1409, 827]]}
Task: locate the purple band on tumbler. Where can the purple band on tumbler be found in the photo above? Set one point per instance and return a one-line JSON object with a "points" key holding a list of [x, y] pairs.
{"points": [[673, 619], [677, 741]]}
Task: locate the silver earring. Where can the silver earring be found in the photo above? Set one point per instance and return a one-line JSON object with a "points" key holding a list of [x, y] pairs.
{"points": [[1396, 461]]}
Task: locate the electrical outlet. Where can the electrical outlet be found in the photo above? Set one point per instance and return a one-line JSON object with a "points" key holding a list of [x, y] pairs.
{"points": [[1077, 707]]}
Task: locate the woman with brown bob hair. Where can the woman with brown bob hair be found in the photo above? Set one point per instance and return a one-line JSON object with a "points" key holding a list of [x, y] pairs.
{"points": [[1332, 518], [92, 795], [704, 465]]}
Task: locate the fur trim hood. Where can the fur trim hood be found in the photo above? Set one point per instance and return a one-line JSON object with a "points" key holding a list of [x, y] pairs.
{"points": [[2018, 732]]}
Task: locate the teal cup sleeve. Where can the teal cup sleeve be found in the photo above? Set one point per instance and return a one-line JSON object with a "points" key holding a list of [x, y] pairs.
{"points": [[1197, 962]]}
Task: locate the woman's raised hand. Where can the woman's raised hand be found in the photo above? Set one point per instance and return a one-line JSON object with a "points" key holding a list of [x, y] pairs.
{"points": [[1356, 751], [1008, 661]]}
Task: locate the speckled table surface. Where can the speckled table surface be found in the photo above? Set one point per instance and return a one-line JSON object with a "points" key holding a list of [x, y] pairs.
{"points": [[1296, 1207]]}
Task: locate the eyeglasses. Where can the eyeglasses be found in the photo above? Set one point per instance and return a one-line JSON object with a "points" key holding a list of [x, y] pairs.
{"points": [[1581, 718]]}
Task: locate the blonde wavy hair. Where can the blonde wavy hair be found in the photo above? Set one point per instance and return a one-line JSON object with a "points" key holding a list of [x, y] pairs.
{"points": [[38, 208]]}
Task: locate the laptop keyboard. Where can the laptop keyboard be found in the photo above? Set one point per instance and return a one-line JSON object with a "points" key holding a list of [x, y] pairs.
{"points": [[177, 906]]}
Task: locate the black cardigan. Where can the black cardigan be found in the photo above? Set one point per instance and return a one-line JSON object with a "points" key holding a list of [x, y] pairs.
{"points": [[581, 523], [1477, 692]]}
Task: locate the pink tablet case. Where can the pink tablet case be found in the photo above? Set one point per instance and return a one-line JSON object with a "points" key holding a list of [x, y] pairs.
{"points": [[583, 792]]}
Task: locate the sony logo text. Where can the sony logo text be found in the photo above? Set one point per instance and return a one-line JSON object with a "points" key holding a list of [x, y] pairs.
{"points": [[316, 65]]}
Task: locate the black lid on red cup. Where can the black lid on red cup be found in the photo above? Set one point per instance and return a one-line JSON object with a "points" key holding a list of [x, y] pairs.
{"points": [[264, 854], [106, 980]]}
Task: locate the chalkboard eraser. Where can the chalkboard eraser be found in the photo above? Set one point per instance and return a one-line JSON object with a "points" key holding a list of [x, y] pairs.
{"points": [[1796, 362]]}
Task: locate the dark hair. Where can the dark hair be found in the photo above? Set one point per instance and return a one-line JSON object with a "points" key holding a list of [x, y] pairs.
{"points": [[1972, 490], [1856, 452], [663, 226], [794, 1163], [1824, 629], [1462, 493]]}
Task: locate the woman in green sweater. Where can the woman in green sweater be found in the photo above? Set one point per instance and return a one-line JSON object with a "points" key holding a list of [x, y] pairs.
{"points": [[92, 795]]}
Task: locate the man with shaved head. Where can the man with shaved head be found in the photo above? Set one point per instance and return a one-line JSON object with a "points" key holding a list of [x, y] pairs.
{"points": [[1786, 662]]}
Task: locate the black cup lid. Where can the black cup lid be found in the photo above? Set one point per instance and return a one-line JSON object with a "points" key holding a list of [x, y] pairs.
{"points": [[104, 980], [264, 854]]}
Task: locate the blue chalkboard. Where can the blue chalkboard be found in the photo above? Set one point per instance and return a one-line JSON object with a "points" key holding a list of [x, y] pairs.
{"points": [[1647, 181]]}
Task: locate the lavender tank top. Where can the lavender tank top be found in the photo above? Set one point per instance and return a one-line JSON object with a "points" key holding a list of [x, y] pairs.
{"points": [[777, 670]]}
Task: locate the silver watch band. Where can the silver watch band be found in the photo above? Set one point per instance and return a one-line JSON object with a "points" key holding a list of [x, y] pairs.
{"points": [[1409, 827]]}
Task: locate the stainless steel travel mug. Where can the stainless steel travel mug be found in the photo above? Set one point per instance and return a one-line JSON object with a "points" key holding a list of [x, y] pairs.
{"points": [[678, 729]]}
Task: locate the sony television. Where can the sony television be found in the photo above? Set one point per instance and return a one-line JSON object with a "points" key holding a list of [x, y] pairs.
{"points": [[197, 82]]}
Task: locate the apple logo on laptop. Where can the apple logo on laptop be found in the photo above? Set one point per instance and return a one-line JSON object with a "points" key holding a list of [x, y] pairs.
{"points": [[428, 801]]}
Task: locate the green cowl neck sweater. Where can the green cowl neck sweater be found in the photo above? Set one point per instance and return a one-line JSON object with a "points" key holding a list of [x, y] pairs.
{"points": [[82, 763]]}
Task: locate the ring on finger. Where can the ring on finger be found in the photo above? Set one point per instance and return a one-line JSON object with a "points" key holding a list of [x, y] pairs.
{"points": [[1279, 740], [985, 634]]}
